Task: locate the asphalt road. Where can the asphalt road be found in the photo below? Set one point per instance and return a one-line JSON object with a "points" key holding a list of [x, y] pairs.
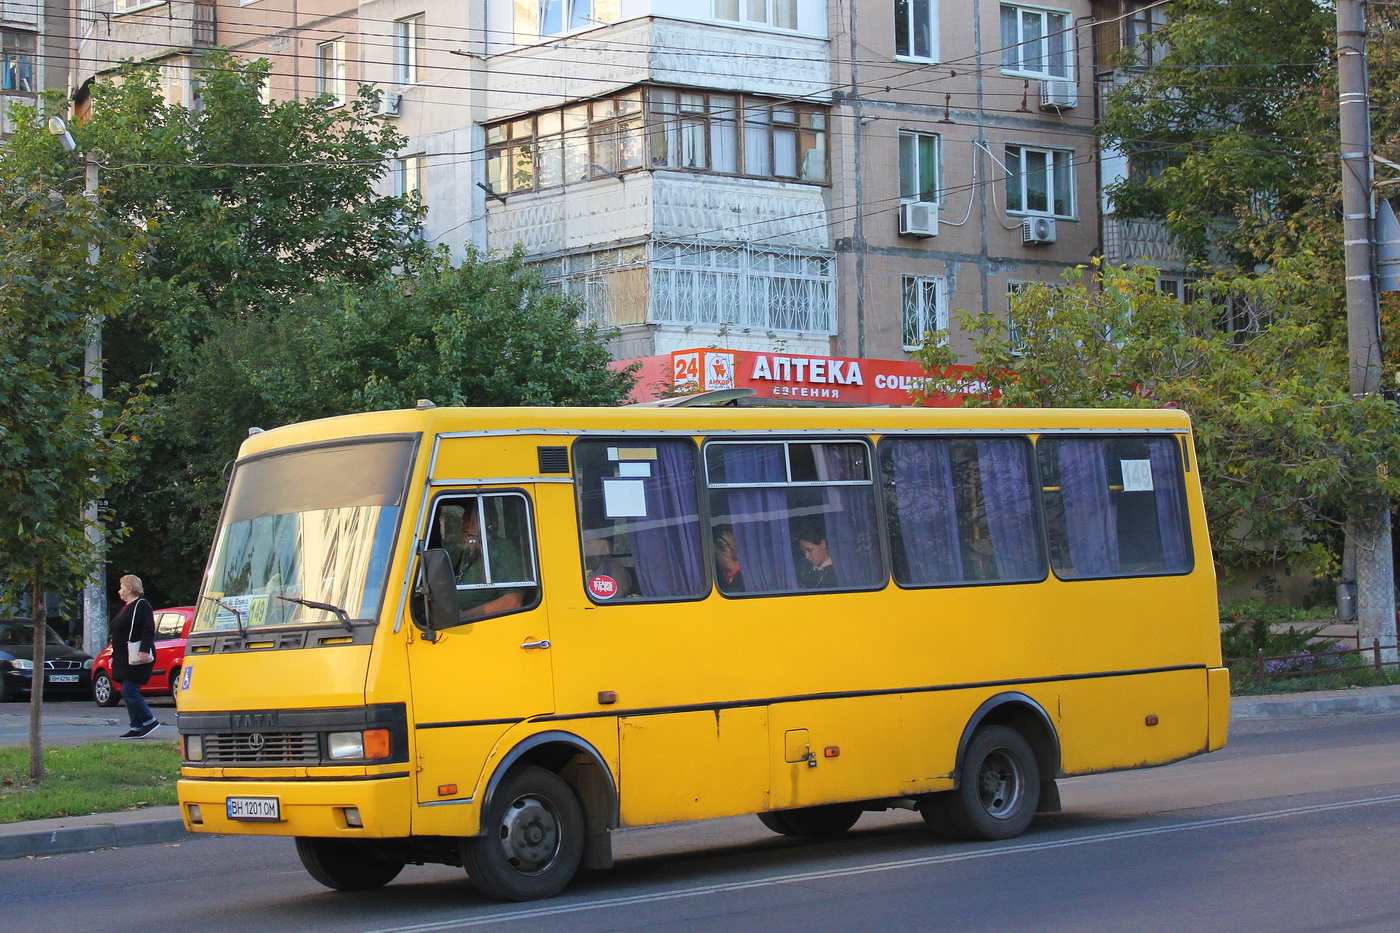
{"points": [[73, 722], [1294, 827]]}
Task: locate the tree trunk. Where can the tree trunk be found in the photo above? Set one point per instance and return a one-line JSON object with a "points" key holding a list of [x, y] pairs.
{"points": [[38, 611]]}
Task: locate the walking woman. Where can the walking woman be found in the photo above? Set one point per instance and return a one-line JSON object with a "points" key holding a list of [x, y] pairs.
{"points": [[135, 623]]}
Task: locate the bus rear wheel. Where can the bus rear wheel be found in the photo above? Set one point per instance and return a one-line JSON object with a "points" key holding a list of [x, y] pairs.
{"points": [[998, 789], [830, 820], [347, 864], [532, 839]]}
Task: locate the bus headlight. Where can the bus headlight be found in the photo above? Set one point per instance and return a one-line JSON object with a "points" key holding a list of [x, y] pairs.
{"points": [[369, 744], [194, 748]]}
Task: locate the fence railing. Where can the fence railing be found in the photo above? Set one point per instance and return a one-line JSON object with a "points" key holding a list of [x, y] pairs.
{"points": [[1318, 663]]}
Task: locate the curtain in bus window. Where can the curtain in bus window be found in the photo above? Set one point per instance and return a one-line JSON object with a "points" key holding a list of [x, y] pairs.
{"points": [[1010, 508], [1090, 523], [1171, 519], [762, 531], [927, 544], [668, 555], [851, 530]]}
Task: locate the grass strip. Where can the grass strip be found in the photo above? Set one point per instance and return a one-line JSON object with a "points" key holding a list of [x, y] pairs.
{"points": [[100, 777]]}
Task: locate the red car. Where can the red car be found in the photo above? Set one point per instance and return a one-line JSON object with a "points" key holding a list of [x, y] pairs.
{"points": [[172, 628]]}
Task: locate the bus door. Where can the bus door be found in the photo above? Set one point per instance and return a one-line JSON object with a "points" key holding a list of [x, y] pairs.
{"points": [[492, 669]]}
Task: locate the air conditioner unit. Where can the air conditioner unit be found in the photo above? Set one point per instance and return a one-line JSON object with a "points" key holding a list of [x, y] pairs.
{"points": [[918, 218], [1038, 231], [1058, 95], [389, 104]]}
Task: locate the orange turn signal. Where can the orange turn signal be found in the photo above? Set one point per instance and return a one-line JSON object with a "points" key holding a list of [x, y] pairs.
{"points": [[376, 743]]}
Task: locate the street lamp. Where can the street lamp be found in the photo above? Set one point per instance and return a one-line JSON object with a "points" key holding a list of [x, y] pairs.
{"points": [[95, 590]]}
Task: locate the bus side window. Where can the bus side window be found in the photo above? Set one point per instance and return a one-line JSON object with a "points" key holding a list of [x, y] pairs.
{"points": [[639, 520], [1114, 506], [961, 510], [795, 515], [490, 542]]}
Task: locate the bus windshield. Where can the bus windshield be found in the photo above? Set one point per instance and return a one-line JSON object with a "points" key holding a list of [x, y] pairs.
{"points": [[314, 525]]}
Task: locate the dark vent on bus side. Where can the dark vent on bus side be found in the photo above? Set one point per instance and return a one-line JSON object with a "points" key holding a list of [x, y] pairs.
{"points": [[554, 459]]}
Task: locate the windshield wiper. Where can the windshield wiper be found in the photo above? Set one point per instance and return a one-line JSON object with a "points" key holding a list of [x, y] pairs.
{"points": [[340, 614], [237, 616]]}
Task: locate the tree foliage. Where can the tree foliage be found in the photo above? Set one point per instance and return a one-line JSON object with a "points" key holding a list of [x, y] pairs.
{"points": [[485, 332], [241, 205], [1232, 133], [60, 448], [1284, 450]]}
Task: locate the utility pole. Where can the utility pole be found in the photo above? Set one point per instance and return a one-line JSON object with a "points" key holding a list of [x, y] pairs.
{"points": [[1369, 533], [95, 590]]}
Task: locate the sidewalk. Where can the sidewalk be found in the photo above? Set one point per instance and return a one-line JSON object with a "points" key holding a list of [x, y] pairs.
{"points": [[162, 824]]}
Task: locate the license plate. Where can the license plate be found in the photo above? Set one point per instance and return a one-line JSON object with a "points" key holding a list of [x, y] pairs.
{"points": [[63, 678], [254, 808]]}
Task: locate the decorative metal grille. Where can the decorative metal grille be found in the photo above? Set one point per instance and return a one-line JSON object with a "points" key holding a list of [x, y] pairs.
{"points": [[261, 748]]}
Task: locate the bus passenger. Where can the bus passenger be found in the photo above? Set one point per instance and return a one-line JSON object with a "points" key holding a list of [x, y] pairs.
{"points": [[820, 574], [598, 560], [506, 564], [728, 573]]}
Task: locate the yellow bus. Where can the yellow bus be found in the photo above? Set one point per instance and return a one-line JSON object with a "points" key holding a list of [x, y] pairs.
{"points": [[489, 637]]}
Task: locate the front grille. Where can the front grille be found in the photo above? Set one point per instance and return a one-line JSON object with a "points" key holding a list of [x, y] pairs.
{"points": [[63, 665], [261, 748]]}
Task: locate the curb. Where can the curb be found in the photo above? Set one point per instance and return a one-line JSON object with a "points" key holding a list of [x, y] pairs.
{"points": [[96, 835], [1310, 705]]}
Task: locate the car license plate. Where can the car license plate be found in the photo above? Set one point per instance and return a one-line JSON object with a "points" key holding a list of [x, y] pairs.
{"points": [[254, 808], [63, 678]]}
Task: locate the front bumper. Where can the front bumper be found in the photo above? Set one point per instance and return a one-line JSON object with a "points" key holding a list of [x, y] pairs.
{"points": [[308, 807]]}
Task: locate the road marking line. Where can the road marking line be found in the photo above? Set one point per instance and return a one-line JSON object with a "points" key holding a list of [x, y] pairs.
{"points": [[1016, 849]]}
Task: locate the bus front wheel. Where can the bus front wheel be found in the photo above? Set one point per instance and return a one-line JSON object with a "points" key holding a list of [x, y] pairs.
{"points": [[532, 839], [830, 820], [347, 864], [998, 789]]}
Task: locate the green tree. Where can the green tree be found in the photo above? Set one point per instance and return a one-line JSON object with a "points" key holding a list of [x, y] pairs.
{"points": [[1232, 133], [60, 449], [1284, 450], [487, 332], [243, 205]]}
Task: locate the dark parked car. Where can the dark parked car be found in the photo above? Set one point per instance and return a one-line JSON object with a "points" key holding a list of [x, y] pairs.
{"points": [[67, 671], [172, 628]]}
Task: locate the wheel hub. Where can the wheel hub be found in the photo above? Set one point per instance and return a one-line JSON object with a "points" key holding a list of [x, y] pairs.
{"points": [[999, 784], [529, 834]]}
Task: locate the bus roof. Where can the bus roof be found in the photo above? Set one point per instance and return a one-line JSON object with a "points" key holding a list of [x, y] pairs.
{"points": [[700, 420]]}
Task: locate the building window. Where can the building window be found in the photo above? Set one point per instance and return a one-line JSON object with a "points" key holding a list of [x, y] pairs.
{"points": [[408, 49], [723, 133], [128, 6], [17, 61], [925, 308], [918, 166], [408, 176], [779, 13], [1139, 28], [1039, 181], [330, 70], [1035, 42], [699, 283], [536, 18], [914, 23]]}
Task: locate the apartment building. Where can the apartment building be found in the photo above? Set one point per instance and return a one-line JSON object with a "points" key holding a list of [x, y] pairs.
{"points": [[34, 50], [798, 176]]}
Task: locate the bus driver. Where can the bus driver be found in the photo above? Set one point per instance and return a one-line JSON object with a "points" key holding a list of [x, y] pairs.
{"points": [[506, 564]]}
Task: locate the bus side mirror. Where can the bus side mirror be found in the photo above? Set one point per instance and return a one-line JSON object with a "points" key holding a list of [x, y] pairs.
{"points": [[437, 590]]}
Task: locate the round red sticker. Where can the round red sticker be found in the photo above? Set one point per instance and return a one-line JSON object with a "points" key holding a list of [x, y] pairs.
{"points": [[602, 586]]}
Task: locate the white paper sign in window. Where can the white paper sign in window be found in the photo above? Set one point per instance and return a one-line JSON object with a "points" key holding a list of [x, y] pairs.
{"points": [[1137, 475], [624, 498]]}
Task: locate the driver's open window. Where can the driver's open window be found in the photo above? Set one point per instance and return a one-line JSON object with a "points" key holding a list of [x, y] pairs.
{"points": [[490, 539]]}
